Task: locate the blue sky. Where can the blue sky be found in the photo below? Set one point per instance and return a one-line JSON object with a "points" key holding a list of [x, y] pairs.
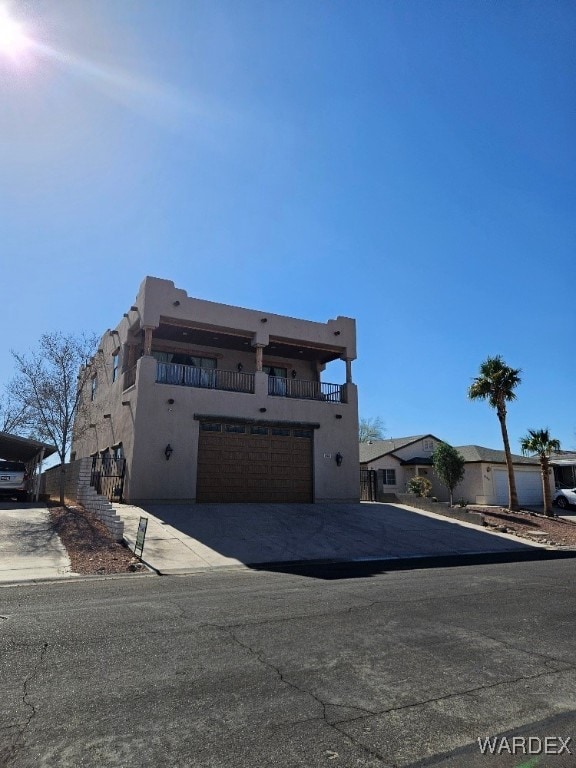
{"points": [[404, 162]]}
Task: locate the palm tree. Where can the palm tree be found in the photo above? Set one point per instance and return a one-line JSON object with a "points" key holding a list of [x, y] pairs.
{"points": [[496, 383], [538, 441]]}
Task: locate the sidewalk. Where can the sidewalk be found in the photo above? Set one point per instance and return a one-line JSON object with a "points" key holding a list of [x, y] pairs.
{"points": [[184, 538], [29, 548]]}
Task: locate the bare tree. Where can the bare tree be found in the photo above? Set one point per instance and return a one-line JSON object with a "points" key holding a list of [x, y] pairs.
{"points": [[48, 386], [371, 429], [14, 417]]}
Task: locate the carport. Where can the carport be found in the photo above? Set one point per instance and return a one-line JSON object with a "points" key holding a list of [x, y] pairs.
{"points": [[30, 452]]}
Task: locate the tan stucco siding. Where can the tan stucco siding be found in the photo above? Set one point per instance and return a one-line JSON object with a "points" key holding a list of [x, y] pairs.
{"points": [[160, 423], [141, 418], [157, 298]]}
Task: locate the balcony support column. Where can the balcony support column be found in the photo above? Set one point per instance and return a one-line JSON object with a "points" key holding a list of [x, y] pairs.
{"points": [[259, 356], [148, 339], [348, 361]]}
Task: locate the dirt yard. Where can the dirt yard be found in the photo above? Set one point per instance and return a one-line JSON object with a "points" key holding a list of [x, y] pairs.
{"points": [[90, 546]]}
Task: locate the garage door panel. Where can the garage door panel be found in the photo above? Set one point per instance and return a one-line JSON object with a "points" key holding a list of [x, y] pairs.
{"points": [[528, 486], [254, 465]]}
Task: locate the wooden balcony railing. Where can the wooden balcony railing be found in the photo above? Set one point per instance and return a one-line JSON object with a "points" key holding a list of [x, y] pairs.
{"points": [[306, 390], [205, 378]]}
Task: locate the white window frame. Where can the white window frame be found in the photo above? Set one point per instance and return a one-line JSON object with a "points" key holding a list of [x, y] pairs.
{"points": [[388, 474]]}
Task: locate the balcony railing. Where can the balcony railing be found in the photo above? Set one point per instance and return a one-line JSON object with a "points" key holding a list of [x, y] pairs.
{"points": [[306, 390], [205, 378]]}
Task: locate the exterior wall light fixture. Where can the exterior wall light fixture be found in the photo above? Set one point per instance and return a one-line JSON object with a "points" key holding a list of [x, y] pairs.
{"points": [[262, 410], [339, 459], [168, 451], [294, 374], [240, 367], [338, 415]]}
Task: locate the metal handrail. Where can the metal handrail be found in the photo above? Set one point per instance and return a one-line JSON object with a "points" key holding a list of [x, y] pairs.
{"points": [[302, 389], [204, 378]]}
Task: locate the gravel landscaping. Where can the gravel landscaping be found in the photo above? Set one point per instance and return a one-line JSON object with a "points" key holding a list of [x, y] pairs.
{"points": [[529, 525], [90, 546]]}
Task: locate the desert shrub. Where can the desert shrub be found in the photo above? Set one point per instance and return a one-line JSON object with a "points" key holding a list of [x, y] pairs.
{"points": [[420, 486]]}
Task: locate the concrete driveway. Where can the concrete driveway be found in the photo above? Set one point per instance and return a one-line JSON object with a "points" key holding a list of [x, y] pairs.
{"points": [[29, 548], [182, 538]]}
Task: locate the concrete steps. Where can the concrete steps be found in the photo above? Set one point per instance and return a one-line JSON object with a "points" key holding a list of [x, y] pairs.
{"points": [[99, 505]]}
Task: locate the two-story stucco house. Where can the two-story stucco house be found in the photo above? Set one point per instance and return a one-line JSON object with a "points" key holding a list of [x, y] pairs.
{"points": [[213, 403]]}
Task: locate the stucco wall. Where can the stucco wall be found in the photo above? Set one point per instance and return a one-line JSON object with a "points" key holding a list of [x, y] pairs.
{"points": [[144, 422], [159, 423], [157, 298]]}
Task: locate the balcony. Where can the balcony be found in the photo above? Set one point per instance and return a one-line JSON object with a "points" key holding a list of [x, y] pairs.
{"points": [[204, 378], [306, 390], [235, 381]]}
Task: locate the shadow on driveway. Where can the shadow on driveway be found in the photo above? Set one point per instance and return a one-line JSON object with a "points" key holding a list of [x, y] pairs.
{"points": [[319, 540]]}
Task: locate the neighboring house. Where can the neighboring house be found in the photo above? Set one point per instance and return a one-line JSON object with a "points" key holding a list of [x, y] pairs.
{"points": [[399, 460], [213, 403], [563, 464], [485, 480]]}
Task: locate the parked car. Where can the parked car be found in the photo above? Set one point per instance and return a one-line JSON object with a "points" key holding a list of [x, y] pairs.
{"points": [[565, 497], [13, 480]]}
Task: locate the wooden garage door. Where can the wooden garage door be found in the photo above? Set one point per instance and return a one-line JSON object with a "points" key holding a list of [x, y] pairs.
{"points": [[246, 462]]}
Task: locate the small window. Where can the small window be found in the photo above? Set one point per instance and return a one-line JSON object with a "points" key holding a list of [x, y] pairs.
{"points": [[93, 388], [115, 365], [118, 451], [281, 432], [389, 476], [428, 445], [207, 426], [258, 430], [303, 433], [239, 428]]}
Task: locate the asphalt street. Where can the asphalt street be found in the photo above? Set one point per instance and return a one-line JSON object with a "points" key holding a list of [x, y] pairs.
{"points": [[258, 668]]}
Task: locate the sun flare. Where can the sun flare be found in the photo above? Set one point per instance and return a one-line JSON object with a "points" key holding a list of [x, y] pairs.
{"points": [[13, 39]]}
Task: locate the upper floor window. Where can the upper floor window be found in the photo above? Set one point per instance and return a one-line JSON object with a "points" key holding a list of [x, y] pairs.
{"points": [[93, 387], [276, 379], [180, 358], [115, 365], [274, 370], [428, 445]]}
